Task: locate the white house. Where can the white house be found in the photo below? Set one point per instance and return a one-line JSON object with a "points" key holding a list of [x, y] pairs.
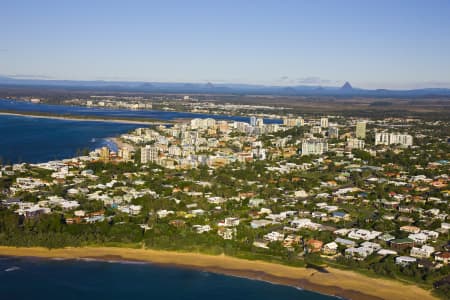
{"points": [[274, 236], [423, 252], [358, 253], [405, 260]]}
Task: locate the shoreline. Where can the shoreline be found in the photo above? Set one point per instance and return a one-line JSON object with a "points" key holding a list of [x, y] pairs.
{"points": [[334, 282], [82, 118], [119, 143]]}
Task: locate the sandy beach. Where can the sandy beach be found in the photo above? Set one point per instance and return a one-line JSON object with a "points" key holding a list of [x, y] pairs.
{"points": [[83, 118], [345, 284], [120, 144]]}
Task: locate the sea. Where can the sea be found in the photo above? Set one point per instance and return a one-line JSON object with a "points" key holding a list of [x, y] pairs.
{"points": [[34, 140], [34, 278]]}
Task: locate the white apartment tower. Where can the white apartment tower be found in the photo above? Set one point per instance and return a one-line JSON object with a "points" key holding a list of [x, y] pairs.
{"points": [[149, 154], [314, 147]]}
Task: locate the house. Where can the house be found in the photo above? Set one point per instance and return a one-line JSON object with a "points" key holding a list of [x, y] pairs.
{"points": [[405, 260], [345, 242], [177, 223], [314, 245], [339, 215], [410, 229], [445, 226], [401, 244], [230, 222], [431, 234], [300, 223], [164, 213], [423, 252], [256, 202], [418, 238], [226, 233], [201, 228], [255, 224], [386, 237], [363, 234], [358, 253], [373, 246], [274, 236], [442, 256], [291, 240], [385, 252], [261, 244], [330, 248]]}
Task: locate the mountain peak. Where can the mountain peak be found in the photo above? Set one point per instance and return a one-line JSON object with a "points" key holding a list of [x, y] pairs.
{"points": [[347, 86]]}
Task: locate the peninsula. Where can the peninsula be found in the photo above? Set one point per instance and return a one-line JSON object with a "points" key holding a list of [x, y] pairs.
{"points": [[72, 117]]}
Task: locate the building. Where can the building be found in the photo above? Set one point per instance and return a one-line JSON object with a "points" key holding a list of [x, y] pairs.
{"points": [[292, 122], [401, 244], [253, 121], [358, 253], [324, 122], [149, 154], [104, 154], [384, 138], [353, 143], [314, 245], [126, 153], [423, 252], [442, 257], [314, 147], [361, 130], [330, 248], [259, 122], [222, 126], [404, 260], [316, 130], [333, 133]]}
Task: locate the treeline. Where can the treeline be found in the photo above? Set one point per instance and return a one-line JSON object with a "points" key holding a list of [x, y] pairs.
{"points": [[51, 231]]}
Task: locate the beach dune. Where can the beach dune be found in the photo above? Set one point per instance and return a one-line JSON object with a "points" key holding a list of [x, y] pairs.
{"points": [[346, 284]]}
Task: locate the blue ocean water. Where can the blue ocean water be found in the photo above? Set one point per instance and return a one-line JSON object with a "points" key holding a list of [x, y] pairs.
{"points": [[28, 278], [34, 140], [24, 139]]}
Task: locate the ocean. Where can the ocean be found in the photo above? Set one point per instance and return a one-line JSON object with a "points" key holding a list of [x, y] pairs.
{"points": [[34, 140], [32, 278]]}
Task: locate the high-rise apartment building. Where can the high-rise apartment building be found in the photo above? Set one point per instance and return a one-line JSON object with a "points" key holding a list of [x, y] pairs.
{"points": [[361, 130]]}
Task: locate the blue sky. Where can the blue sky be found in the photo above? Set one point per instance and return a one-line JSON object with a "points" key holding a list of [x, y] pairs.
{"points": [[372, 44]]}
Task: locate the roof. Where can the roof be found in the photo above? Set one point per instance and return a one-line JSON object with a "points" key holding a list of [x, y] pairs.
{"points": [[402, 241]]}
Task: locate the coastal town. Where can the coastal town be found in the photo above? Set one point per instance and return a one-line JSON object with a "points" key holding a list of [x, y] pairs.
{"points": [[363, 194]]}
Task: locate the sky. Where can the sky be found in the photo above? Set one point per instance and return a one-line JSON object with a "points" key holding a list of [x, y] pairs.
{"points": [[396, 44]]}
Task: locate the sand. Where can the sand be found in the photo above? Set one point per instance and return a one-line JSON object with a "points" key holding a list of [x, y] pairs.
{"points": [[84, 118], [346, 284]]}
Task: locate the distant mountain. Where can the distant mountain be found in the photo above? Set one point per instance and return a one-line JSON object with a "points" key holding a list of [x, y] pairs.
{"points": [[220, 88], [347, 87]]}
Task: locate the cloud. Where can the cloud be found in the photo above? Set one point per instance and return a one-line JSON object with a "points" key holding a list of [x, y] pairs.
{"points": [[434, 84], [29, 76], [314, 80], [309, 80]]}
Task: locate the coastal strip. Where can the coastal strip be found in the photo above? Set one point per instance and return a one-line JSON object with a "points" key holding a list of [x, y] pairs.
{"points": [[85, 118], [336, 282]]}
